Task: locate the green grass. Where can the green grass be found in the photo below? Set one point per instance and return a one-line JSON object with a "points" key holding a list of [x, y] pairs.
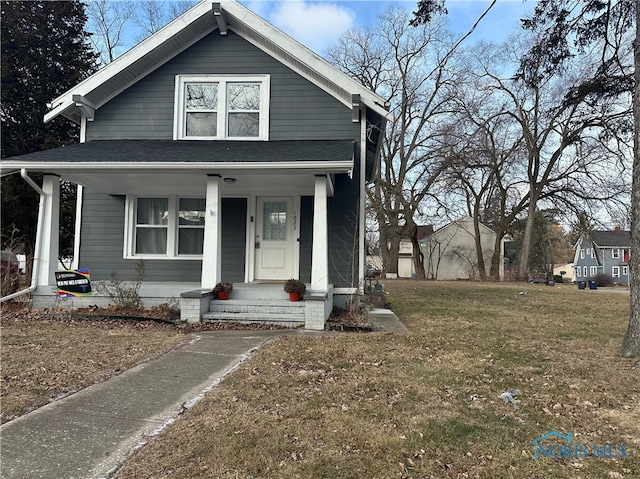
{"points": [[426, 405]]}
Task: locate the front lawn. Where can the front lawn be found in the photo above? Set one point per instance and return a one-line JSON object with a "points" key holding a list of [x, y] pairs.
{"points": [[426, 405]]}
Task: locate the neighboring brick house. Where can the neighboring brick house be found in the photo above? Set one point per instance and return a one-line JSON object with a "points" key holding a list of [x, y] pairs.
{"points": [[603, 252]]}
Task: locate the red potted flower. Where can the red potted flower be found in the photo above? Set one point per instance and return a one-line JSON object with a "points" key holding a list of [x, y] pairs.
{"points": [[295, 288], [223, 289]]}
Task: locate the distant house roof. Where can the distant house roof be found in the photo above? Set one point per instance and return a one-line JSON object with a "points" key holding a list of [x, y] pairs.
{"points": [[617, 238], [423, 232]]}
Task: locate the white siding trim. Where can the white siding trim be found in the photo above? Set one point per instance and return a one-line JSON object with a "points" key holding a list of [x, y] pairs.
{"points": [[212, 252], [50, 228], [320, 253], [78, 227]]}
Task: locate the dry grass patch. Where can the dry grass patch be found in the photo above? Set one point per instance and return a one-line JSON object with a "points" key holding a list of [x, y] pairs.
{"points": [[45, 357], [425, 405]]}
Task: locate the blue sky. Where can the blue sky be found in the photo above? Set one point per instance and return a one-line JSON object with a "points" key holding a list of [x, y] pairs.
{"points": [[318, 23]]}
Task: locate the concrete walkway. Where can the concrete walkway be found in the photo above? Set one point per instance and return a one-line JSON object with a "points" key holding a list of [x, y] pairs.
{"points": [[88, 434], [91, 433]]}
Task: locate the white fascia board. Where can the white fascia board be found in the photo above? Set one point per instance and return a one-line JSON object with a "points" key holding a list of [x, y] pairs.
{"points": [[345, 166], [65, 101]]}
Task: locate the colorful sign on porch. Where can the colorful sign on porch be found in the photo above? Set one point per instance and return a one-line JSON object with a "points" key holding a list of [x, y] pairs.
{"points": [[73, 283]]}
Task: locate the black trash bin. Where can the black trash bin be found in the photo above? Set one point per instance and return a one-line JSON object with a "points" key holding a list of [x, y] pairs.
{"points": [[593, 284], [582, 284]]}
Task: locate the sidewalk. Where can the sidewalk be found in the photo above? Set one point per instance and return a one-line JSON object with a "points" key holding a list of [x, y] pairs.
{"points": [[91, 433]]}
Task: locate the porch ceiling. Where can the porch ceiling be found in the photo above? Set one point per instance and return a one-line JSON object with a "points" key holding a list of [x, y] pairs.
{"points": [[272, 182]]}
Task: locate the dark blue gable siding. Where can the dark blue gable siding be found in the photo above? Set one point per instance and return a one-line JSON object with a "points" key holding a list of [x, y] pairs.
{"points": [[298, 109]]}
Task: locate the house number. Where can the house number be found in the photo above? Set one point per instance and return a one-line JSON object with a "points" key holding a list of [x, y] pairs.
{"points": [[295, 221]]}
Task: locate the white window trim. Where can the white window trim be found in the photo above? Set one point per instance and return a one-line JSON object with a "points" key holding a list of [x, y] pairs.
{"points": [[593, 271], [625, 271], [593, 252], [179, 117], [585, 271], [615, 253], [582, 253], [613, 271], [172, 229]]}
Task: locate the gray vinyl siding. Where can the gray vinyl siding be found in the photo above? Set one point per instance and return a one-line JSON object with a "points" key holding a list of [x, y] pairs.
{"points": [[343, 234], [306, 237], [101, 245], [234, 239], [298, 109], [342, 210]]}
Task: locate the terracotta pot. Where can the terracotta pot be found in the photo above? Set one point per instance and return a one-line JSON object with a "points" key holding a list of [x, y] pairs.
{"points": [[294, 297], [222, 295]]}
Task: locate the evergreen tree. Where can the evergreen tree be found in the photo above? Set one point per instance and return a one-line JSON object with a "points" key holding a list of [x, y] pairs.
{"points": [[45, 51]]}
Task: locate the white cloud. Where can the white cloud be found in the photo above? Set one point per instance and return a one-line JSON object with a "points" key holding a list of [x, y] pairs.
{"points": [[317, 25]]}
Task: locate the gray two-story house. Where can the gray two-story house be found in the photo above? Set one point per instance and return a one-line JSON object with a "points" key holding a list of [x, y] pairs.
{"points": [[218, 149], [603, 253]]}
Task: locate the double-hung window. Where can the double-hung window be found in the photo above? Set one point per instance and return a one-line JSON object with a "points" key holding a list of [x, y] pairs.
{"points": [[625, 271], [151, 230], [212, 107], [593, 270], [615, 271], [615, 253], [165, 227]]}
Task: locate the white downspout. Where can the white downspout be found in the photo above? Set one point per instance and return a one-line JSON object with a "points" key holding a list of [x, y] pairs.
{"points": [[36, 255]]}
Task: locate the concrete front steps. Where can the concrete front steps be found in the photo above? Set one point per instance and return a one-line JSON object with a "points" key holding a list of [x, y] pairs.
{"points": [[256, 302]]}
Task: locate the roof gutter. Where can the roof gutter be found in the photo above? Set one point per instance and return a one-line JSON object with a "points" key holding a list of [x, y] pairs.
{"points": [[36, 257]]}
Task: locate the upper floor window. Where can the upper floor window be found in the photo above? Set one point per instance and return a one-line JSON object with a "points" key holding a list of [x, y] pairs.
{"points": [[222, 107], [582, 253], [593, 252], [615, 253]]}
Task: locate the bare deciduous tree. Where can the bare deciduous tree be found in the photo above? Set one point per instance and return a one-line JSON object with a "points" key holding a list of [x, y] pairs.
{"points": [[151, 15], [108, 21], [410, 67]]}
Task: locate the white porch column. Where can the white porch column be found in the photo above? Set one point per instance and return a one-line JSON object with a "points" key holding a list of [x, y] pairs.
{"points": [[212, 250], [49, 236], [320, 252]]}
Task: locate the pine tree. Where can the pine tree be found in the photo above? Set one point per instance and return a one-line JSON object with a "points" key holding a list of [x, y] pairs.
{"points": [[45, 51]]}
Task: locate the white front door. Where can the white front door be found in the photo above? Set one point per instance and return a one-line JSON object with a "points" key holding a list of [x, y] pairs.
{"points": [[274, 238]]}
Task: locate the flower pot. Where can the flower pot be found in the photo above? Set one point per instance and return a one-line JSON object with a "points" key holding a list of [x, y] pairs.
{"points": [[294, 296], [222, 295]]}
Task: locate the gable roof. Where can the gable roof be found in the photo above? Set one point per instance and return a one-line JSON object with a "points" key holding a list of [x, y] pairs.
{"points": [[616, 238], [159, 153], [204, 18], [460, 224]]}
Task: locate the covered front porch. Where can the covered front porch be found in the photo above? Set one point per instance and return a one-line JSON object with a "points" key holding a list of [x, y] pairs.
{"points": [[279, 228]]}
